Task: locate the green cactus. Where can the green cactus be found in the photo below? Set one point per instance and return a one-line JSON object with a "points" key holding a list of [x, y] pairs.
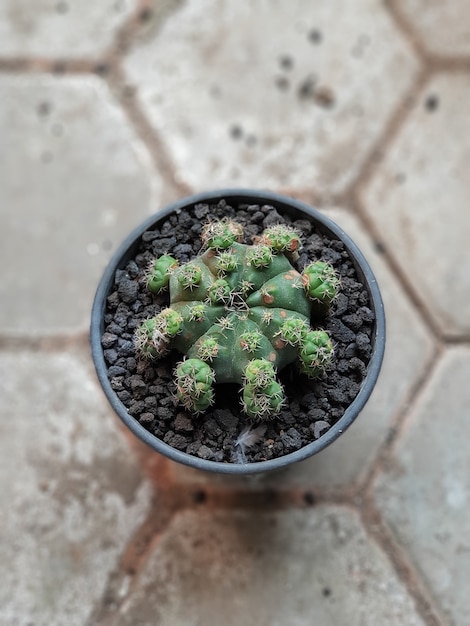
{"points": [[240, 313], [190, 276], [153, 337], [221, 234], [294, 331], [259, 256], [316, 352], [321, 284], [282, 238], [194, 380], [263, 396], [158, 275]]}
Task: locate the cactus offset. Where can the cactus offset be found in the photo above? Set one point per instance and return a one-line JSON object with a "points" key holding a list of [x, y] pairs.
{"points": [[240, 313], [321, 284], [159, 272], [194, 380]]}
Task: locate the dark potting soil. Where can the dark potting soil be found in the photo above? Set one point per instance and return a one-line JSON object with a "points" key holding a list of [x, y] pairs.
{"points": [[146, 387]]}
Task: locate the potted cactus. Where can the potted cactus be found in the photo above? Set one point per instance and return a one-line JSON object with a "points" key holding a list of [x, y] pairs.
{"points": [[211, 339]]}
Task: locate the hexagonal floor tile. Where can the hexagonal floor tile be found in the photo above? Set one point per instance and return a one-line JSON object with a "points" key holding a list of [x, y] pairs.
{"points": [[409, 347], [71, 494], [74, 180], [419, 199], [303, 568], [444, 27], [59, 29], [244, 95], [425, 492]]}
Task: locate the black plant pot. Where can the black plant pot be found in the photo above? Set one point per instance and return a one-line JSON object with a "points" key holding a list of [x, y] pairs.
{"points": [[285, 206]]}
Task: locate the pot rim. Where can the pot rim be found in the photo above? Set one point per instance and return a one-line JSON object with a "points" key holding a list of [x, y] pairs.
{"points": [[286, 205]]}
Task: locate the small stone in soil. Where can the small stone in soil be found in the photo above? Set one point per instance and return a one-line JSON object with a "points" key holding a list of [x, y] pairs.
{"points": [[146, 419], [111, 356], [126, 348], [316, 414], [117, 383], [226, 419], [292, 439], [342, 304], [183, 423], [164, 413], [137, 407], [340, 332], [204, 452], [211, 427], [151, 402], [138, 387], [337, 395], [201, 210], [127, 290], [356, 364], [354, 321], [108, 340], [150, 235], [272, 218], [366, 314], [175, 440], [115, 329], [131, 364], [319, 428], [125, 397], [350, 351], [363, 344], [113, 300]]}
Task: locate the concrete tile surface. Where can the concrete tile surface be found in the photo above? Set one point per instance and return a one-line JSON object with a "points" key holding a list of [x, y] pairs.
{"points": [[425, 491], [418, 199], [443, 27], [299, 106], [60, 28], [74, 180], [300, 568], [356, 105], [70, 493]]}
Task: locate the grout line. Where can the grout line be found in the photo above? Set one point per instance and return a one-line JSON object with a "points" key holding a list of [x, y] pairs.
{"points": [[145, 131], [64, 65], [450, 65], [433, 60], [131, 563], [44, 343], [45, 65], [437, 62], [372, 517], [127, 32], [460, 340], [355, 195], [125, 95], [415, 298], [401, 419], [172, 498], [391, 129], [406, 28], [400, 560]]}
